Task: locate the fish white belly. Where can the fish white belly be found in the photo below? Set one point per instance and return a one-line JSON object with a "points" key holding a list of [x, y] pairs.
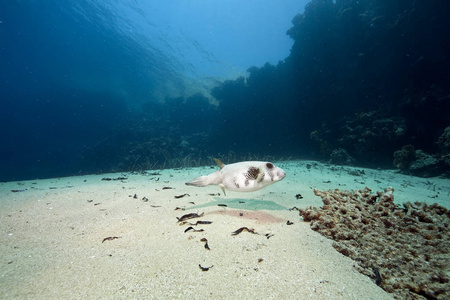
{"points": [[241, 185]]}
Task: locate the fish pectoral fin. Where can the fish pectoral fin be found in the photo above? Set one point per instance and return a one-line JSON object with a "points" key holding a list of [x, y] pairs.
{"points": [[260, 176], [223, 189], [219, 163]]}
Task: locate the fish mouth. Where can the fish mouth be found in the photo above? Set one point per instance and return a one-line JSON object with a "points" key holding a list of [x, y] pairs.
{"points": [[281, 175]]}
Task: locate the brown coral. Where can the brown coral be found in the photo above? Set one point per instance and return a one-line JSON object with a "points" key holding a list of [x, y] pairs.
{"points": [[405, 250]]}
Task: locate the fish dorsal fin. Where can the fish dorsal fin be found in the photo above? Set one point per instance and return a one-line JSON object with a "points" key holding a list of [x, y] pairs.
{"points": [[219, 163]]}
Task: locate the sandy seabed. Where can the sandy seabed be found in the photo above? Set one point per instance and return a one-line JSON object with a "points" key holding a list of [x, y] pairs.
{"points": [[117, 236]]}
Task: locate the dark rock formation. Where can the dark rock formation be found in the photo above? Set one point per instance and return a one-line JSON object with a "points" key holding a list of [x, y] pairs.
{"points": [[341, 157], [419, 163], [364, 76]]}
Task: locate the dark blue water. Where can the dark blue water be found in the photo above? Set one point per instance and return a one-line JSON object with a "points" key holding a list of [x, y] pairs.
{"points": [[61, 80], [96, 86]]}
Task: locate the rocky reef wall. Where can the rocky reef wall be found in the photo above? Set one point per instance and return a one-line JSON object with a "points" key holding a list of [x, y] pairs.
{"points": [[363, 80]]}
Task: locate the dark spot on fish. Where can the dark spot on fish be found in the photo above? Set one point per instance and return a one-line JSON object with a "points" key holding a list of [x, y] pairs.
{"points": [[298, 196], [168, 188], [247, 182], [289, 222], [236, 184], [252, 173], [223, 205]]}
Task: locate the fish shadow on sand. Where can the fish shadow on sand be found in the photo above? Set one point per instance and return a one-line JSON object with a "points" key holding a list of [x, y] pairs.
{"points": [[237, 203]]}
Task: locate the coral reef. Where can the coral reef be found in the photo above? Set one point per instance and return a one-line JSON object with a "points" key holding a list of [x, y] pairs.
{"points": [[368, 138], [371, 136], [404, 157], [405, 250], [444, 139], [419, 163], [341, 157], [425, 165]]}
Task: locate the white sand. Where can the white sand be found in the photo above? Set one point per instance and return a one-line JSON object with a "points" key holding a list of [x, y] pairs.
{"points": [[51, 237]]}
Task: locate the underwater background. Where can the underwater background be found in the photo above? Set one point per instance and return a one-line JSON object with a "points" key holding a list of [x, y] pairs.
{"points": [[100, 86]]}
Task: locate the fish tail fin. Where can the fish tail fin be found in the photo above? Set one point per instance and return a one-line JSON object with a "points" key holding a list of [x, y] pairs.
{"points": [[199, 181]]}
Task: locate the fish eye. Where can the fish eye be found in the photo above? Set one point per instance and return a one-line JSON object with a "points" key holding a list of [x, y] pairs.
{"points": [[269, 165]]}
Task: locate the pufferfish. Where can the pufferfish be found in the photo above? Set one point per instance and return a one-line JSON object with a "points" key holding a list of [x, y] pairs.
{"points": [[247, 176]]}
